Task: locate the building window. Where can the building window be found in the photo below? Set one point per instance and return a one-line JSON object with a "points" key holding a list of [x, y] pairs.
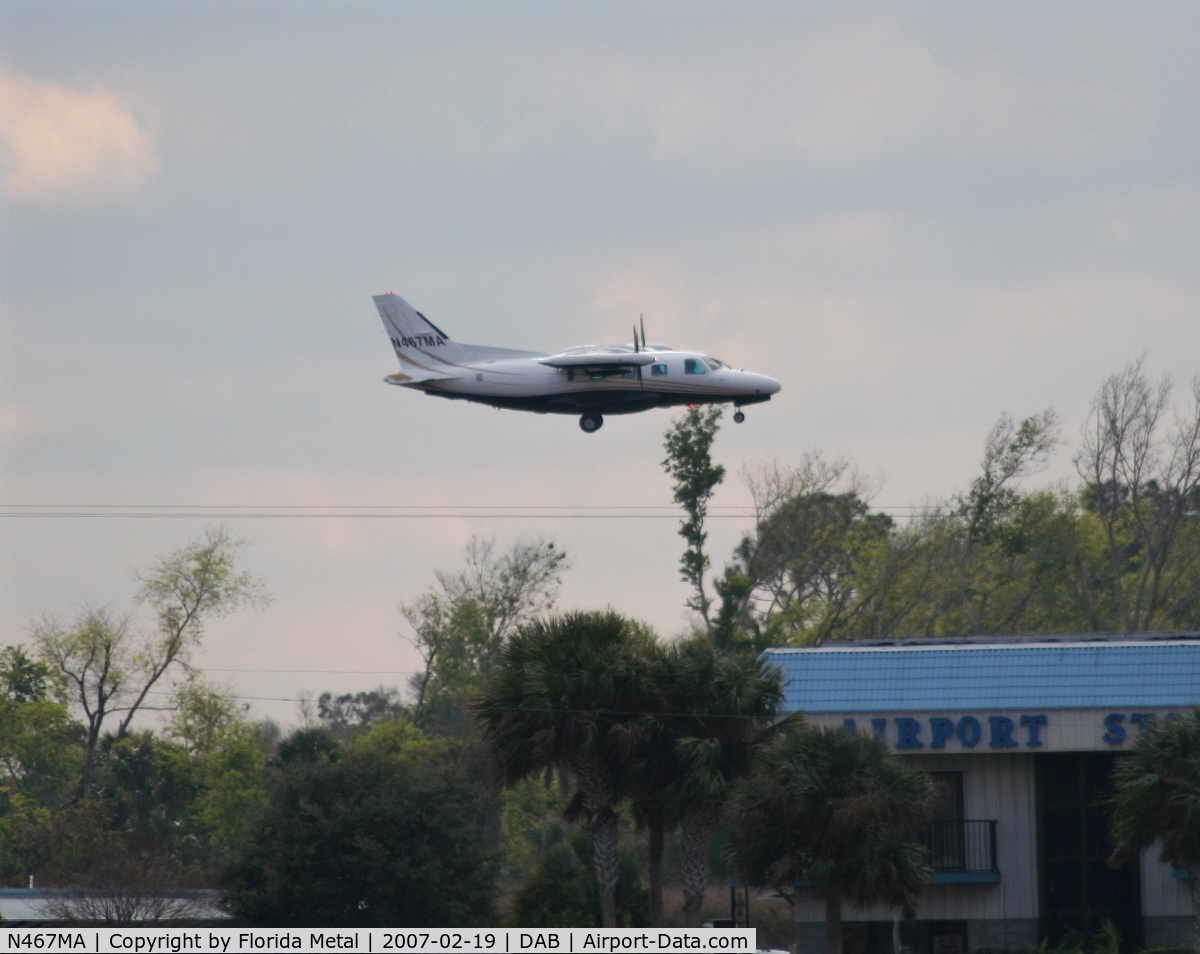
{"points": [[947, 831]]}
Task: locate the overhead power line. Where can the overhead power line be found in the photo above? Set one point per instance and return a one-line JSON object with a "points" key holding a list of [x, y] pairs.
{"points": [[380, 512]]}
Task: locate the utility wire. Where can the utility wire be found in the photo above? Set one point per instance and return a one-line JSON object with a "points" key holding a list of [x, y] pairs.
{"points": [[378, 512]]}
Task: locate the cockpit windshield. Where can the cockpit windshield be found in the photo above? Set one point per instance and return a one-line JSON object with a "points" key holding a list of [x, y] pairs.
{"points": [[714, 364]]}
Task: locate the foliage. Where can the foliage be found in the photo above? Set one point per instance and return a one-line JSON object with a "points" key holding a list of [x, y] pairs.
{"points": [[39, 750], [1142, 487], [367, 840], [712, 708], [306, 745], [1106, 940], [1156, 798], [94, 658], [796, 578], [98, 844], [146, 786], [688, 444], [835, 809], [188, 586], [1119, 553], [226, 759], [21, 818], [350, 713], [563, 891], [23, 679], [530, 822], [115, 845], [461, 623], [109, 668], [566, 694]]}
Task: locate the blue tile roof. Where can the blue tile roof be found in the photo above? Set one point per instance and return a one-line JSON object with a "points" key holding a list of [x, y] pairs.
{"points": [[925, 678]]}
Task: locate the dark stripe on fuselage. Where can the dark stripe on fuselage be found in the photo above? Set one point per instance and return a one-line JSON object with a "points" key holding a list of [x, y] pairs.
{"points": [[601, 402]]}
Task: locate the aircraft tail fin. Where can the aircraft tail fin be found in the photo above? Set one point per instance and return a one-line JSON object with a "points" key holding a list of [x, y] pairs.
{"points": [[426, 352]]}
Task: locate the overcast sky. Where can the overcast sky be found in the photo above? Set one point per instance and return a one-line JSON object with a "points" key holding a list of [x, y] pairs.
{"points": [[915, 216]]}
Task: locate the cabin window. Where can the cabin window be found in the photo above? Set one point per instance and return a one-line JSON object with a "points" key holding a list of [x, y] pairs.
{"points": [[658, 369], [692, 366]]}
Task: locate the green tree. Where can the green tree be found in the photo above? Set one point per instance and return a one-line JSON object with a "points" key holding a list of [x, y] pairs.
{"points": [[688, 443], [226, 759], [1156, 799], [187, 587], [988, 514], [530, 823], [712, 709], [565, 694], [146, 786], [1142, 488], [110, 668], [352, 713], [306, 745], [39, 744], [798, 578], [562, 891], [721, 707], [838, 811], [94, 657], [461, 623], [366, 840]]}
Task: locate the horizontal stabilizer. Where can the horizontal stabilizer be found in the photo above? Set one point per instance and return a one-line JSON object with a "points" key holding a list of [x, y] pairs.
{"points": [[413, 375], [600, 360]]}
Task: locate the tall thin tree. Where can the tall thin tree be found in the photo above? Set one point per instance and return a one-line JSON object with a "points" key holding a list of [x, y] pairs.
{"points": [[689, 461]]}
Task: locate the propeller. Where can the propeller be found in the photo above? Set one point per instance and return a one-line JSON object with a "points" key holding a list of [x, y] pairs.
{"points": [[636, 347]]}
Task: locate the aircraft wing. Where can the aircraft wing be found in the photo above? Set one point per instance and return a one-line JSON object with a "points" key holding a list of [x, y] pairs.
{"points": [[594, 359]]}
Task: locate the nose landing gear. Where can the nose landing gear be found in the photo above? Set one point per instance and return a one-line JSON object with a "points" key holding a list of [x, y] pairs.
{"points": [[738, 417], [590, 422]]}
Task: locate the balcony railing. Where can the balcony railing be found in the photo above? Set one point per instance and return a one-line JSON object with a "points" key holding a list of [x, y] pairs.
{"points": [[966, 846]]}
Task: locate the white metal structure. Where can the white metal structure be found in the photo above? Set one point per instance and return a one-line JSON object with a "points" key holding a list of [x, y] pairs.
{"points": [[591, 381]]}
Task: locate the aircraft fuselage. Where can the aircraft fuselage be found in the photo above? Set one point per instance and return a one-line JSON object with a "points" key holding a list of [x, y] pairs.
{"points": [[592, 380]]}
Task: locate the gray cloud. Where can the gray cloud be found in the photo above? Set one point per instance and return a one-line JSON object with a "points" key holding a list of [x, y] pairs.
{"points": [[914, 222]]}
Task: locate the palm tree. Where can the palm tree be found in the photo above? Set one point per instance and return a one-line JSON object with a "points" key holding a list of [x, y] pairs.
{"points": [[651, 773], [1157, 798], [837, 811], [711, 708], [718, 707], [565, 694]]}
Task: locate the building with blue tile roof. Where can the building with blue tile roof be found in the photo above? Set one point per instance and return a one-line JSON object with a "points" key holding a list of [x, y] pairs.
{"points": [[1020, 735]]}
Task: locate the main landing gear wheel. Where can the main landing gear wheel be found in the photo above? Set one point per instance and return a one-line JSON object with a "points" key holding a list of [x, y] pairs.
{"points": [[738, 417], [590, 423]]}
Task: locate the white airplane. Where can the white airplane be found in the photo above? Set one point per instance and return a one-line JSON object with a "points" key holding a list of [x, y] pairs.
{"points": [[590, 381]]}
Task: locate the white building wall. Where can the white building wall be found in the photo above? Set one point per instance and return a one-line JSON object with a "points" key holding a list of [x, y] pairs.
{"points": [[995, 786], [1163, 895]]}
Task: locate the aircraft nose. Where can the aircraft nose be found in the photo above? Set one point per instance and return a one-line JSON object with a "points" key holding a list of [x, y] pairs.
{"points": [[767, 385]]}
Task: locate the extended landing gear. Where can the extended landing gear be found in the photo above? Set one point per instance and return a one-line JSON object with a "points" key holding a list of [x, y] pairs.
{"points": [[590, 423], [738, 417]]}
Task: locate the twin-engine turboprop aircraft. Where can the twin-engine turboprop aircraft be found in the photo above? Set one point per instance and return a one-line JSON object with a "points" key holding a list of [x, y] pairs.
{"points": [[590, 381]]}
